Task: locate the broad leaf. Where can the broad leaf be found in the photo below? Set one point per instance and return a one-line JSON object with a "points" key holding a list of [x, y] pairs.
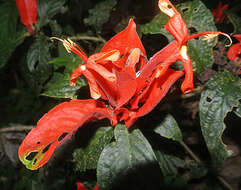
{"points": [[47, 9], [100, 14], [38, 54], [10, 37], [221, 95], [169, 128], [125, 160], [235, 20], [87, 157], [199, 19]]}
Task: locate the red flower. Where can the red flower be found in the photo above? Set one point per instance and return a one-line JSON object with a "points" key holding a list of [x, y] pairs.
{"points": [[80, 186], [218, 13], [119, 75], [28, 13], [234, 52]]}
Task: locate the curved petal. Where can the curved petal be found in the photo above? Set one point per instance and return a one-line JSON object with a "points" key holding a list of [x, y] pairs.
{"points": [[125, 40], [57, 126], [234, 51], [28, 13]]}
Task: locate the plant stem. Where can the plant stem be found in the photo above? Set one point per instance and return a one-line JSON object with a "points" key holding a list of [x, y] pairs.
{"points": [[16, 129], [91, 38], [195, 157]]}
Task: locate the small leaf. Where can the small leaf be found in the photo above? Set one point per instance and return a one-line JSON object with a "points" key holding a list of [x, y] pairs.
{"points": [[169, 164], [127, 159], [48, 9], [10, 37], [38, 53], [87, 157], [235, 20], [221, 95], [58, 87], [169, 128], [100, 14]]}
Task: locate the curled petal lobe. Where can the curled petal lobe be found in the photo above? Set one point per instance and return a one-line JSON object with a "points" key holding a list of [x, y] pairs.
{"points": [[57, 126], [28, 13], [234, 52]]}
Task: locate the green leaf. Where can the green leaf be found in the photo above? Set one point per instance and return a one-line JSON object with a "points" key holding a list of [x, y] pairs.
{"points": [[169, 128], [58, 87], [235, 20], [169, 164], [100, 14], [48, 9], [197, 18], [38, 53], [10, 37], [221, 94], [87, 157], [126, 159]]}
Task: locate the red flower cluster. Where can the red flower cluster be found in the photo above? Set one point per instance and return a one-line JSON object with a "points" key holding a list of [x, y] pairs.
{"points": [[80, 186], [123, 85], [234, 52], [28, 13], [218, 13]]}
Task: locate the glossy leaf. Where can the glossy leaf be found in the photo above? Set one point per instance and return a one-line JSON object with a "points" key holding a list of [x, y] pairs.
{"points": [[48, 9], [38, 53], [10, 37], [221, 95], [28, 13], [87, 157], [100, 14], [58, 87], [127, 159], [169, 128], [57, 126]]}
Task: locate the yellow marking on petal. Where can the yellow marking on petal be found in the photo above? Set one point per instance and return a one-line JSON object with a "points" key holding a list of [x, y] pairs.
{"points": [[209, 36], [183, 52], [164, 7], [113, 57]]}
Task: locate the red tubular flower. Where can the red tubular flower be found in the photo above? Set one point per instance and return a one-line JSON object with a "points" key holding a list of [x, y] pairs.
{"points": [[234, 52], [80, 186], [28, 13], [57, 126], [218, 13]]}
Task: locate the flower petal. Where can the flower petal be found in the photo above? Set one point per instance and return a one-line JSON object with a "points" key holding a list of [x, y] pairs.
{"points": [[57, 126], [125, 40]]}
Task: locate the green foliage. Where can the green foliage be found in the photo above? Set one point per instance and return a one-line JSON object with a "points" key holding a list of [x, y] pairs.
{"points": [[100, 14], [48, 9], [169, 128], [10, 35], [221, 95], [129, 155], [235, 20], [87, 157]]}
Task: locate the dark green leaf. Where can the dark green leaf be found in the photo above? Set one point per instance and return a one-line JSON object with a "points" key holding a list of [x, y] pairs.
{"points": [[127, 159], [47, 9], [10, 37], [169, 164], [87, 158], [169, 128], [38, 54], [221, 94], [236, 21], [100, 14]]}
